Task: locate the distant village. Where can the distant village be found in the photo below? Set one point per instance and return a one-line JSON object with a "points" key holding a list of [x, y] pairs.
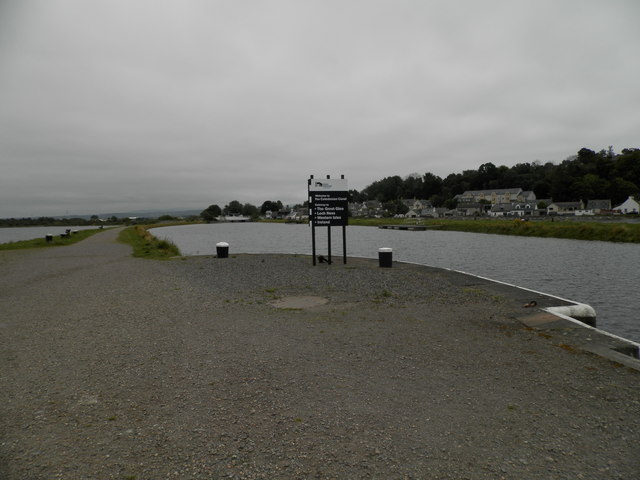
{"points": [[508, 202]]}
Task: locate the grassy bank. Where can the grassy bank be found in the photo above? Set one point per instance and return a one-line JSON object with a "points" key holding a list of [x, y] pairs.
{"points": [[57, 241], [146, 245], [606, 232]]}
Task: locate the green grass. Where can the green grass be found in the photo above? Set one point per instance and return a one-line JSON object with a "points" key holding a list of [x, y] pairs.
{"points": [[606, 232], [146, 245], [56, 242]]}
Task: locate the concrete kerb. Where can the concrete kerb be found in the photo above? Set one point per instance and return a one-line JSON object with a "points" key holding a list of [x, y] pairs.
{"points": [[554, 314]]}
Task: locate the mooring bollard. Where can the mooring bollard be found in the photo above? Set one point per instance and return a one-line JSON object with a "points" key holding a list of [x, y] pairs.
{"points": [[385, 257], [222, 249]]}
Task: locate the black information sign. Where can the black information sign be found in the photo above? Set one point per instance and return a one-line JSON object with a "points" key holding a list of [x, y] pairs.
{"points": [[329, 207]]}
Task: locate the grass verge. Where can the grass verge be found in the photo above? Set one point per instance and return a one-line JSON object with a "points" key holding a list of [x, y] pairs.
{"points": [[57, 241], [146, 245]]}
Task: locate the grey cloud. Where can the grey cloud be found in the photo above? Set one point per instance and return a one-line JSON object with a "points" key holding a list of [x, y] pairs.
{"points": [[181, 104]]}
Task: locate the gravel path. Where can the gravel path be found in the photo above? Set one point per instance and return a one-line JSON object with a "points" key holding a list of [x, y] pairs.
{"points": [[118, 368]]}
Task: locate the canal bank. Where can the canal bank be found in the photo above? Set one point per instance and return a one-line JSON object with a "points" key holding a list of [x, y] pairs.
{"points": [[115, 367], [595, 273]]}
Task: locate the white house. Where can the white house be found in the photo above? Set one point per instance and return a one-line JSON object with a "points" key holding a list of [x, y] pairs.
{"points": [[630, 205]]}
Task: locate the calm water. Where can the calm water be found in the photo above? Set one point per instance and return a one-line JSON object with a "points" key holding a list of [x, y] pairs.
{"points": [[12, 234], [601, 274]]}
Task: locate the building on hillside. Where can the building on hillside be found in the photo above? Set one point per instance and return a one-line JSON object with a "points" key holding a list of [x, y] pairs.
{"points": [[371, 209], [299, 214], [595, 207], [599, 206], [565, 208], [505, 195], [416, 205], [630, 205], [436, 212], [513, 209], [480, 202]]}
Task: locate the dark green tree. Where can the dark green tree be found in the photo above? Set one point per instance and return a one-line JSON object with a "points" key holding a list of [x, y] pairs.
{"points": [[270, 205], [210, 213], [249, 210], [431, 185], [589, 187], [356, 196], [233, 208], [621, 189]]}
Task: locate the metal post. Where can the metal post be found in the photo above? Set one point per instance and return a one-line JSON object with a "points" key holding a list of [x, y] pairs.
{"points": [[313, 223], [344, 233], [344, 244], [329, 235]]}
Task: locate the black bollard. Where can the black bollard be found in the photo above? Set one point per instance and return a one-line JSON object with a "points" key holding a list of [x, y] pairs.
{"points": [[222, 249], [385, 257]]}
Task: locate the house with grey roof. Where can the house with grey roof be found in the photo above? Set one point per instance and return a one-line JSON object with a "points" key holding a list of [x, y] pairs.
{"points": [[494, 196], [595, 207], [416, 204], [513, 209], [473, 202], [371, 208], [565, 208]]}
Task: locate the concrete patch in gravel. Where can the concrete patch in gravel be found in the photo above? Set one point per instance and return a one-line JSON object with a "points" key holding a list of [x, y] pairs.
{"points": [[299, 302]]}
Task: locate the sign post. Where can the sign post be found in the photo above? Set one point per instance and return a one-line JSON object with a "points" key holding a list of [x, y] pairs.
{"points": [[329, 206]]}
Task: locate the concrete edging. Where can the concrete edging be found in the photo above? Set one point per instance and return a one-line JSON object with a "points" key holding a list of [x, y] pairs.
{"points": [[576, 321]]}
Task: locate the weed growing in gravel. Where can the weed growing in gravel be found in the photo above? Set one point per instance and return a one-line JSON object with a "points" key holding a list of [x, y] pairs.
{"points": [[474, 291], [272, 293], [568, 348], [383, 296]]}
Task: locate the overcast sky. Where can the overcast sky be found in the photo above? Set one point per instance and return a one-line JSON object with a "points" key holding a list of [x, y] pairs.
{"points": [[116, 105]]}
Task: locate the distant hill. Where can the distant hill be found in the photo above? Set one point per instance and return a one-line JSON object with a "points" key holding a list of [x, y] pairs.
{"points": [[138, 213]]}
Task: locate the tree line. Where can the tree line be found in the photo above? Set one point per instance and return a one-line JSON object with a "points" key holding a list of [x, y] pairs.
{"points": [[588, 175], [234, 207]]}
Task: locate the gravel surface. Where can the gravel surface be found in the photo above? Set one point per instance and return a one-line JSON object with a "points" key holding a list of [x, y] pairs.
{"points": [[119, 368]]}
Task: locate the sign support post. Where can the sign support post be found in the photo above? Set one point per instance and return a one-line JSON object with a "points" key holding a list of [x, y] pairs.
{"points": [[329, 245], [313, 223], [344, 244]]}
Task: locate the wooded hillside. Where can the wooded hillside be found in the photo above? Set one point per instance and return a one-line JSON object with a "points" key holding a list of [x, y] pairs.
{"points": [[589, 175]]}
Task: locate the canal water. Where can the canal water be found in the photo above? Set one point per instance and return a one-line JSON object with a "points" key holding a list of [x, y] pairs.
{"points": [[601, 274]]}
